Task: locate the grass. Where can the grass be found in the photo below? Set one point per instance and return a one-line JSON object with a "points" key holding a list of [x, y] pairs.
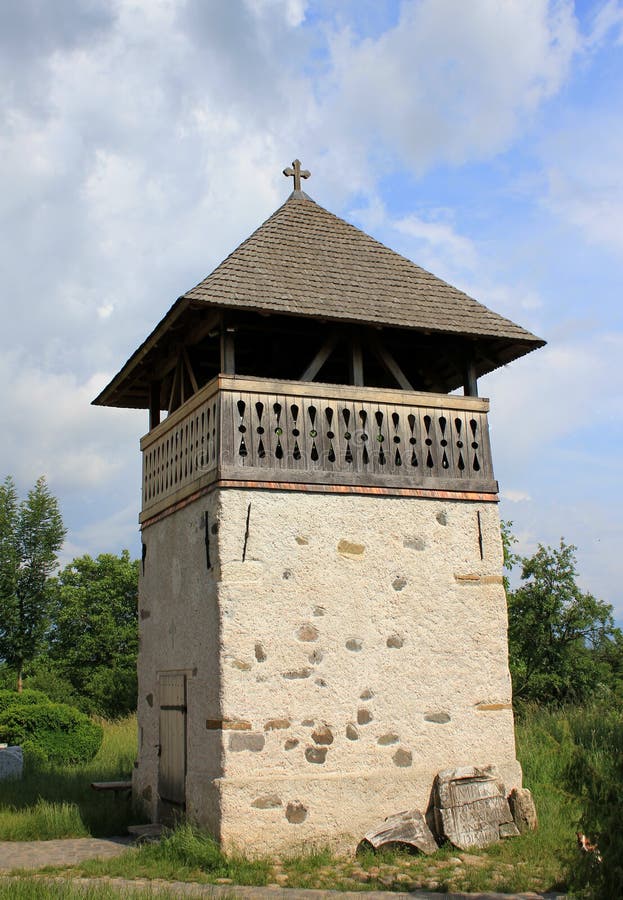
{"points": [[37, 888], [532, 862], [185, 854], [45, 806], [188, 855], [57, 801]]}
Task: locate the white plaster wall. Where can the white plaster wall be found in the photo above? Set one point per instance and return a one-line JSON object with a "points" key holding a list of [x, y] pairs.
{"points": [[367, 622], [370, 622], [179, 632]]}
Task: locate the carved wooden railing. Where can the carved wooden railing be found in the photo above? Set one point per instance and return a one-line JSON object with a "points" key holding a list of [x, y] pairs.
{"points": [[258, 430]]}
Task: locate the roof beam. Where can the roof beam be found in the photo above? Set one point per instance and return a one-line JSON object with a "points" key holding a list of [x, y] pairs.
{"points": [[388, 360], [320, 358]]}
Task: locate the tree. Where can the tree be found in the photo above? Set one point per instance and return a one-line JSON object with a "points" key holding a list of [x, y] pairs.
{"points": [[31, 534], [562, 641], [510, 557], [94, 640]]}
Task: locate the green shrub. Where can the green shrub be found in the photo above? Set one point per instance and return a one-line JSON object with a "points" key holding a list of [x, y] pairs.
{"points": [[26, 698], [34, 758], [42, 676], [595, 773], [63, 734], [110, 691]]}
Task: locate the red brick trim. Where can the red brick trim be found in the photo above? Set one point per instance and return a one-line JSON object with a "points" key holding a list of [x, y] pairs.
{"points": [[423, 493]]}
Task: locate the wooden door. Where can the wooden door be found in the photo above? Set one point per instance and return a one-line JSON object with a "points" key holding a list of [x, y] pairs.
{"points": [[172, 764]]}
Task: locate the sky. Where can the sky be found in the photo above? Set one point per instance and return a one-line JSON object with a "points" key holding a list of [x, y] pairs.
{"points": [[142, 140]]}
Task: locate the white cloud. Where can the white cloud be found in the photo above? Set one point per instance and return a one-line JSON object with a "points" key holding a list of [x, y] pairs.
{"points": [[561, 390], [106, 310], [582, 164], [514, 496], [49, 427], [459, 250], [609, 18], [143, 139], [107, 534], [292, 10], [451, 82]]}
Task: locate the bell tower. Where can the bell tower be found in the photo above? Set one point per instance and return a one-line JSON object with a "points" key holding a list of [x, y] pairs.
{"points": [[322, 612]]}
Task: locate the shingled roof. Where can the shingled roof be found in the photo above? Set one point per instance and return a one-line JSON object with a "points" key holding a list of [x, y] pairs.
{"points": [[305, 261]]}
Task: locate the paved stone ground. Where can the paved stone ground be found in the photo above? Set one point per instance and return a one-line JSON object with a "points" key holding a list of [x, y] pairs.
{"points": [[32, 855], [35, 854]]}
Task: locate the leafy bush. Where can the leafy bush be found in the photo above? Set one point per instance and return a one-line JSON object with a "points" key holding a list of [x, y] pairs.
{"points": [[111, 692], [26, 698], [595, 773], [94, 642], [41, 675], [61, 733], [563, 643]]}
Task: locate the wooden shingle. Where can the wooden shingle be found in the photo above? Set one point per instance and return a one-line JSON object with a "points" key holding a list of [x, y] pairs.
{"points": [[305, 261]]}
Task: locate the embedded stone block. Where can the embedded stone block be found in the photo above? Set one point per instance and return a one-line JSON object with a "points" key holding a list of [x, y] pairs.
{"points": [[403, 758], [277, 724], [439, 717], [296, 813], [307, 633], [239, 741], [322, 735], [316, 754], [271, 801], [387, 739]]}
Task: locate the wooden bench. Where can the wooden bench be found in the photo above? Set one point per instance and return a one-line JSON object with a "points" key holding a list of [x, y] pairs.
{"points": [[118, 787], [146, 834]]}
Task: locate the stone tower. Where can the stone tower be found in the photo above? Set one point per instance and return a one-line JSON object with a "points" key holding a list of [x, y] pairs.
{"points": [[322, 614]]}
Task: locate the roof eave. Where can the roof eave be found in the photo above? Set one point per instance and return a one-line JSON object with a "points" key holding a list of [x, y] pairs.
{"points": [[526, 336], [106, 396]]}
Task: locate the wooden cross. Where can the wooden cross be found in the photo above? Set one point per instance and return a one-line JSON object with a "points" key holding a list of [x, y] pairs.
{"points": [[296, 173]]}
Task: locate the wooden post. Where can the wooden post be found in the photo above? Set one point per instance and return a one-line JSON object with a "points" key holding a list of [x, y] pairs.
{"points": [[154, 404], [228, 352], [356, 361], [470, 382]]}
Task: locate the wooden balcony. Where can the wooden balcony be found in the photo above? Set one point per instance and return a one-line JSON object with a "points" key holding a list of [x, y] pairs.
{"points": [[256, 430]]}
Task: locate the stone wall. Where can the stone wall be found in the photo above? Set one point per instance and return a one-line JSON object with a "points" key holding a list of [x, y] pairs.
{"points": [[341, 650]]}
